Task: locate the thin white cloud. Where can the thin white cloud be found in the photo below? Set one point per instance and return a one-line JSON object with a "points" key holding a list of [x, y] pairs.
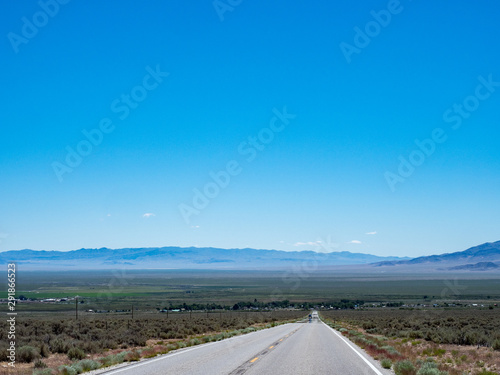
{"points": [[320, 245], [371, 233], [195, 226], [355, 242], [310, 243], [328, 245], [148, 215]]}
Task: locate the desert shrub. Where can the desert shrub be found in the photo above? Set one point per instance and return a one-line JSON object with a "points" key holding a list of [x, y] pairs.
{"points": [[416, 334], [109, 344], [120, 357], [149, 353], [171, 347], [132, 356], [390, 350], [3, 351], [59, 345], [439, 352], [67, 370], [76, 353], [44, 350], [89, 365], [113, 359], [386, 363], [27, 354], [207, 339], [368, 325], [40, 364], [107, 361], [430, 368], [57, 328], [77, 368], [46, 371], [194, 342], [471, 337], [90, 346], [136, 340], [496, 344], [404, 368]]}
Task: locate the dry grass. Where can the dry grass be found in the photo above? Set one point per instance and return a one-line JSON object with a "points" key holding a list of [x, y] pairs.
{"points": [[454, 359]]}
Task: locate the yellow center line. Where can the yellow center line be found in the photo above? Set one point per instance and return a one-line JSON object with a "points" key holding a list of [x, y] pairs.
{"points": [[272, 346], [253, 360], [281, 339]]}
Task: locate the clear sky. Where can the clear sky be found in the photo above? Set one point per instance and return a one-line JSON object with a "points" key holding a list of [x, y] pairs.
{"points": [[308, 113]]}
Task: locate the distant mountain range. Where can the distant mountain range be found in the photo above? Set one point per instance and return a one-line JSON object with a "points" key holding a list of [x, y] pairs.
{"points": [[485, 257], [182, 258], [481, 266]]}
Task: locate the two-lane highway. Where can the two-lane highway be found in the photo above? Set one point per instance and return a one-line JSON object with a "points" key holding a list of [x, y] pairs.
{"points": [[297, 348], [315, 349]]}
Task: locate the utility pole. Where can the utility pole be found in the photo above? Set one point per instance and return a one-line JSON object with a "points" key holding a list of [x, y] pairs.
{"points": [[76, 308], [132, 312]]}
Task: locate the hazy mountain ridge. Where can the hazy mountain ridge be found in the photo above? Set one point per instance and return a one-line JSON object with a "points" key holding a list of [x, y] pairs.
{"points": [[176, 257], [485, 257], [478, 258], [481, 266]]}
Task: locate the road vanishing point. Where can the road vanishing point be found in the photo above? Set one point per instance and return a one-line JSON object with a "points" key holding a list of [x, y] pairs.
{"points": [[295, 348]]}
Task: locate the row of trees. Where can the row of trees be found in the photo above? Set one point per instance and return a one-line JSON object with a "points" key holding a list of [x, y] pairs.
{"points": [[257, 305]]}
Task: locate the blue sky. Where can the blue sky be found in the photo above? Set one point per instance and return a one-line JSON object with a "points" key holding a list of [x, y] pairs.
{"points": [[180, 90]]}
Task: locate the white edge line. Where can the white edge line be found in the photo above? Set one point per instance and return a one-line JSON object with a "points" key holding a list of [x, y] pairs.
{"points": [[147, 362], [355, 350], [165, 356]]}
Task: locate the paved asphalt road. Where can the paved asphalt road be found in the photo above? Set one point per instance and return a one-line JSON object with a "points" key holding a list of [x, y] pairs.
{"points": [[297, 348]]}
